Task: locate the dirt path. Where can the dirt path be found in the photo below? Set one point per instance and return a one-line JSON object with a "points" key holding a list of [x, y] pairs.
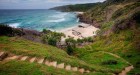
{"points": [[40, 61], [24, 58], [44, 61], [127, 69], [115, 56], [62, 65], [32, 59]]}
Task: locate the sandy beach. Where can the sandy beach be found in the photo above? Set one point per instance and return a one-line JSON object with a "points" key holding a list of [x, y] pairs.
{"points": [[80, 31]]}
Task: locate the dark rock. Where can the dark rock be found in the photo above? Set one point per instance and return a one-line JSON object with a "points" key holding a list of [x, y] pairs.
{"points": [[125, 24], [3, 56], [84, 19]]}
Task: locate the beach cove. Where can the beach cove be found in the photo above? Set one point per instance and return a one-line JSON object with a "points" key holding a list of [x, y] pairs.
{"points": [[63, 22], [80, 31]]}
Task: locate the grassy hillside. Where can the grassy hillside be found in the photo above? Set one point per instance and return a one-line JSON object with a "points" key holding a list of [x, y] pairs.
{"points": [[120, 29], [25, 68], [76, 7], [21, 46]]}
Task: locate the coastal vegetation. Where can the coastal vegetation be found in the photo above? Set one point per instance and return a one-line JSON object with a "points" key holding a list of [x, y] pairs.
{"points": [[119, 24], [118, 21], [115, 47], [51, 38], [25, 47], [8, 31], [76, 7]]}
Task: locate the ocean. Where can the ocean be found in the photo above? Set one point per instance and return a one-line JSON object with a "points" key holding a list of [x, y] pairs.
{"points": [[38, 19]]}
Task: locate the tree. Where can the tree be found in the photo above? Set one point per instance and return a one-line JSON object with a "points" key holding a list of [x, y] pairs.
{"points": [[90, 39], [70, 49], [71, 45], [52, 41]]}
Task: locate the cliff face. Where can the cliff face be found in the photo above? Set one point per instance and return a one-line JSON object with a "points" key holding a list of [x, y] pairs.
{"points": [[119, 16], [84, 19]]}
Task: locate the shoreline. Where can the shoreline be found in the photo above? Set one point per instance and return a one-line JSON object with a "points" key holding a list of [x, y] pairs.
{"points": [[79, 31]]}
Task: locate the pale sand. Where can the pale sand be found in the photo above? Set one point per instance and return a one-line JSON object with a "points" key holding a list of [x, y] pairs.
{"points": [[79, 32], [79, 12]]}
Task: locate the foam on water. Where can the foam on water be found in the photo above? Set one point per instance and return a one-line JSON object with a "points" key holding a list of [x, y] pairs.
{"points": [[14, 25], [38, 19], [58, 20], [59, 15]]}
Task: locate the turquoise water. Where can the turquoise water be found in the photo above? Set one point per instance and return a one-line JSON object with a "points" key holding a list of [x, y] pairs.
{"points": [[38, 19]]}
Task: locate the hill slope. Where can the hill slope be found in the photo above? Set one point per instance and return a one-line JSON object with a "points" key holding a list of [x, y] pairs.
{"points": [[120, 29], [76, 7], [20, 46]]}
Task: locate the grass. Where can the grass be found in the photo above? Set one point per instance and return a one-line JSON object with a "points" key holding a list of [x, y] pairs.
{"points": [[93, 57], [25, 68], [21, 46], [99, 58], [124, 42], [121, 44], [125, 10]]}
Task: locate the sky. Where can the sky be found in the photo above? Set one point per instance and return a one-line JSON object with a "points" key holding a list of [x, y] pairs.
{"points": [[40, 4]]}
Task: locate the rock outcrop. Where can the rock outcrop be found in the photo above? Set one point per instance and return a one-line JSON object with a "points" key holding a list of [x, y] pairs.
{"points": [[84, 19]]}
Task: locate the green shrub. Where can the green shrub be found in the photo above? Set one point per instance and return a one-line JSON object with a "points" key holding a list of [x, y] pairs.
{"points": [[9, 31], [51, 38], [70, 41], [110, 62], [70, 49], [52, 41], [80, 40], [89, 39], [71, 45], [6, 30]]}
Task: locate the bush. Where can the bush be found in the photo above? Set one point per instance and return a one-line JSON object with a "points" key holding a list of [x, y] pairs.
{"points": [[51, 38], [52, 41], [9, 31], [90, 39], [6, 30], [70, 41], [71, 45], [110, 62], [80, 40], [46, 31], [70, 49]]}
